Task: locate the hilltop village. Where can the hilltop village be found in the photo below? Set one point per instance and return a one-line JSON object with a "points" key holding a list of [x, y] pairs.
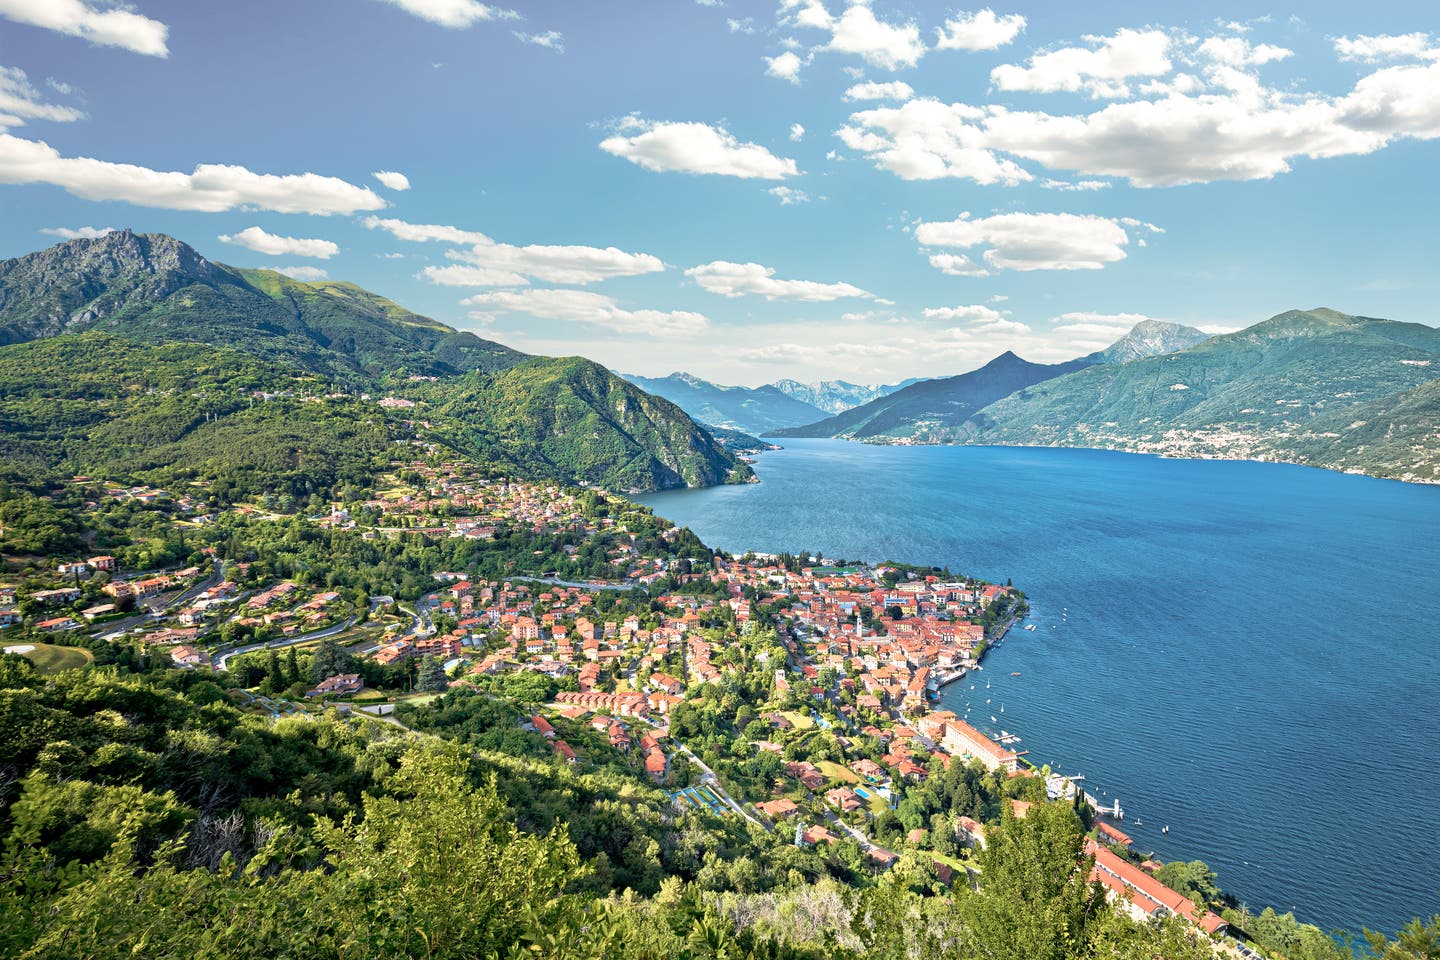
{"points": [[788, 691]]}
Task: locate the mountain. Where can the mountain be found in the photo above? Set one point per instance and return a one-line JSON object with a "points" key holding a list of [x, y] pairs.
{"points": [[1149, 338], [1307, 386], [104, 298], [750, 410], [930, 409], [837, 396]]}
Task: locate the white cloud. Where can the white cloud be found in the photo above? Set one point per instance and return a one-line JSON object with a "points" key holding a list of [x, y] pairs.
{"points": [[392, 180], [1032, 241], [789, 195], [972, 313], [423, 232], [696, 148], [857, 30], [582, 306], [981, 30], [831, 353], [1112, 325], [894, 90], [486, 263], [1374, 49], [1101, 69], [453, 14], [254, 238], [210, 188], [745, 25], [738, 279], [20, 101], [957, 265], [104, 25], [929, 140], [77, 233], [303, 274], [558, 264], [797, 132], [1075, 186], [550, 39], [786, 66], [1239, 52]]}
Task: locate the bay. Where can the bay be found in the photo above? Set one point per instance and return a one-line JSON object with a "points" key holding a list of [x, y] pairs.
{"points": [[1246, 653]]}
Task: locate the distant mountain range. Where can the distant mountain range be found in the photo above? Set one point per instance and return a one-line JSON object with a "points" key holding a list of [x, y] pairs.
{"points": [[1316, 387], [79, 317], [748, 409], [924, 410], [837, 396]]}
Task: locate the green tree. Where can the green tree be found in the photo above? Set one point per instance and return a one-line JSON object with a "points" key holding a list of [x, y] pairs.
{"points": [[432, 675]]}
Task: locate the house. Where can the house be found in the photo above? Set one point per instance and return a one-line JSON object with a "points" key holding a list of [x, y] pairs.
{"points": [[102, 564], [341, 683], [48, 598], [807, 773], [970, 832], [818, 834], [656, 764], [1144, 897], [844, 798], [186, 656], [881, 857], [542, 727], [57, 625], [667, 683], [1112, 834], [564, 751], [869, 769], [778, 809]]}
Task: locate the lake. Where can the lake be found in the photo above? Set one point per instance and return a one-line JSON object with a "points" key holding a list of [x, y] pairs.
{"points": [[1246, 653]]}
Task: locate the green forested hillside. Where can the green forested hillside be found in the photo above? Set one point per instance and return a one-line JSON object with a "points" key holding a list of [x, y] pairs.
{"points": [[134, 352], [1282, 389]]}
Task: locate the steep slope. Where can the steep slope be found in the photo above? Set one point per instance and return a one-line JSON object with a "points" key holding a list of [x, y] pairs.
{"points": [[584, 422], [1149, 338], [931, 410], [154, 287], [837, 396], [751, 410], [100, 303], [1260, 392]]}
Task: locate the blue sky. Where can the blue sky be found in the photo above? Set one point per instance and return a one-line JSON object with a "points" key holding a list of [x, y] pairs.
{"points": [[630, 181]]}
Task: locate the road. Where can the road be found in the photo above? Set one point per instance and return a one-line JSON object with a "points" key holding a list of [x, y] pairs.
{"points": [[180, 600], [222, 661]]}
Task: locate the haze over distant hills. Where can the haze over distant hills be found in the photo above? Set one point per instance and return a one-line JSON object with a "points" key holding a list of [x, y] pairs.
{"points": [[749, 409], [79, 316], [837, 396]]}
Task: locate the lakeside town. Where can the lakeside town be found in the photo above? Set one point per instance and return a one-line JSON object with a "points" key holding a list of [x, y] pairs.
{"points": [[622, 640]]}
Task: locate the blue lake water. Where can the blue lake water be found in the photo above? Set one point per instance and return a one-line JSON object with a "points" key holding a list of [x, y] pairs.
{"points": [[1248, 653]]}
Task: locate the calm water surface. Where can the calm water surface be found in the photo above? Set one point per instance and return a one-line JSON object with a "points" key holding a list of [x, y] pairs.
{"points": [[1247, 653]]}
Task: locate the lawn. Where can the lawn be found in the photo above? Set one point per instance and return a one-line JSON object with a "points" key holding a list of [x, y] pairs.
{"points": [[833, 771], [800, 720], [49, 658]]}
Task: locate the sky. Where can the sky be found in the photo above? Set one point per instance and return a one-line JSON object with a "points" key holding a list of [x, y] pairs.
{"points": [[816, 189]]}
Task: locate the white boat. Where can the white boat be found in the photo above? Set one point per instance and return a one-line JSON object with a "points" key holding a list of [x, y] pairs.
{"points": [[1030, 627]]}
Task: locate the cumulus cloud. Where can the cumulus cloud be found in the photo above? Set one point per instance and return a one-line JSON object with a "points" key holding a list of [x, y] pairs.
{"points": [[210, 188], [858, 31], [741, 25], [104, 24], [929, 140], [582, 306], [254, 238], [695, 148], [1229, 127], [550, 40], [786, 66], [797, 132], [1239, 52], [392, 180], [303, 274], [739, 279], [453, 14], [1102, 69], [1380, 47], [1075, 186], [20, 101], [972, 313], [1033, 241], [980, 30], [957, 265], [894, 90], [423, 232], [77, 233], [485, 263]]}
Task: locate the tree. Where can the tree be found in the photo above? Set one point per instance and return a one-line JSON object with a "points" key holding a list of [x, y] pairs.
{"points": [[292, 668], [274, 676], [432, 675], [329, 660]]}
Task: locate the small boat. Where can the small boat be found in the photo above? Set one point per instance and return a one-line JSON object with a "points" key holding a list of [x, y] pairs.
{"points": [[1030, 627], [1015, 673], [1002, 708], [1139, 823], [1165, 829], [992, 719]]}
